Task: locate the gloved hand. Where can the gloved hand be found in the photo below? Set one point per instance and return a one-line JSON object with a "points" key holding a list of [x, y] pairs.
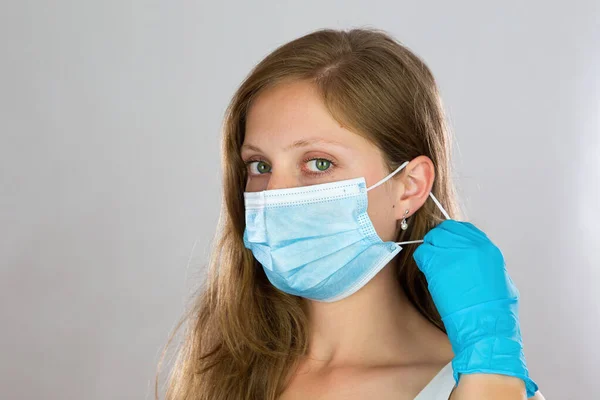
{"points": [[477, 300]]}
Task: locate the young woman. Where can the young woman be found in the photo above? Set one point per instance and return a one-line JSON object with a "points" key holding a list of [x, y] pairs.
{"points": [[340, 269]]}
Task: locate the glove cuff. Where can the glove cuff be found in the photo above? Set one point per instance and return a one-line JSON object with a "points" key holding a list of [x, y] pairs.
{"points": [[486, 338]]}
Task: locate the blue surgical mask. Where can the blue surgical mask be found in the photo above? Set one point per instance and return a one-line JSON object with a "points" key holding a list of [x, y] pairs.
{"points": [[318, 241]]}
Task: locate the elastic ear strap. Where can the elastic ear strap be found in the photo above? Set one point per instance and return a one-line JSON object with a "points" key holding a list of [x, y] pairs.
{"points": [[437, 203], [443, 212], [389, 176], [404, 164], [410, 241]]}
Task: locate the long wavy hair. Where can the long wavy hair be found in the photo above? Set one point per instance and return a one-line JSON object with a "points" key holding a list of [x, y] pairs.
{"points": [[243, 336]]}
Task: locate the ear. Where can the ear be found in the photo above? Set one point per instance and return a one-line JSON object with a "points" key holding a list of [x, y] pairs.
{"points": [[414, 184]]}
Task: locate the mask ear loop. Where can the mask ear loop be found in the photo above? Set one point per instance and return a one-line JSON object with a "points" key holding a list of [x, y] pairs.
{"points": [[437, 203], [404, 164]]}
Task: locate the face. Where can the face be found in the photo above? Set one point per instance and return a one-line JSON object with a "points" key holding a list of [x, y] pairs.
{"points": [[292, 141]]}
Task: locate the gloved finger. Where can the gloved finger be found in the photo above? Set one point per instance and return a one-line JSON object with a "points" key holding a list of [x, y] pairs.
{"points": [[423, 254], [465, 229], [444, 238]]}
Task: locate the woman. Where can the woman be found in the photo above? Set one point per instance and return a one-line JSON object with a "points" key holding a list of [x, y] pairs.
{"points": [[336, 166]]}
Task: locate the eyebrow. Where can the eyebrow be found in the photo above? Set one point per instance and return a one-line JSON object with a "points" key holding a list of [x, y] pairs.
{"points": [[301, 143]]}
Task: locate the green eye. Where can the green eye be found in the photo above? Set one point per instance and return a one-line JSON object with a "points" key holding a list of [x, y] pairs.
{"points": [[322, 164], [258, 167], [263, 167]]}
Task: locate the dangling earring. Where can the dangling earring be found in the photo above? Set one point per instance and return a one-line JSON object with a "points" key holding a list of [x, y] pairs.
{"points": [[404, 224]]}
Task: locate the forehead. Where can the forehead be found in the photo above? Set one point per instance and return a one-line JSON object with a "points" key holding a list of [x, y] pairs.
{"points": [[292, 111]]}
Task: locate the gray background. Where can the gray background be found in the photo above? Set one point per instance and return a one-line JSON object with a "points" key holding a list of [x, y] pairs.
{"points": [[110, 114]]}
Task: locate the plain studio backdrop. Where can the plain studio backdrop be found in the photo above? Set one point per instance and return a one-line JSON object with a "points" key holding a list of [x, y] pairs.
{"points": [[110, 115]]}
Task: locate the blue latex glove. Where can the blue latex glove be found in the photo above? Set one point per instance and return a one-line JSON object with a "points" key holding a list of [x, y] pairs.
{"points": [[477, 300]]}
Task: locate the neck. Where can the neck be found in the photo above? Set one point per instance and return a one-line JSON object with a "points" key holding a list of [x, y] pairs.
{"points": [[375, 326]]}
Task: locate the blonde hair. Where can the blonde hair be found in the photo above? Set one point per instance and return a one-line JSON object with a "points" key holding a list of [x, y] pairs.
{"points": [[244, 336]]}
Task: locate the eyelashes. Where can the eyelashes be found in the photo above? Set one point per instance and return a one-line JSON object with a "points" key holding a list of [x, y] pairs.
{"points": [[262, 163], [328, 162]]}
